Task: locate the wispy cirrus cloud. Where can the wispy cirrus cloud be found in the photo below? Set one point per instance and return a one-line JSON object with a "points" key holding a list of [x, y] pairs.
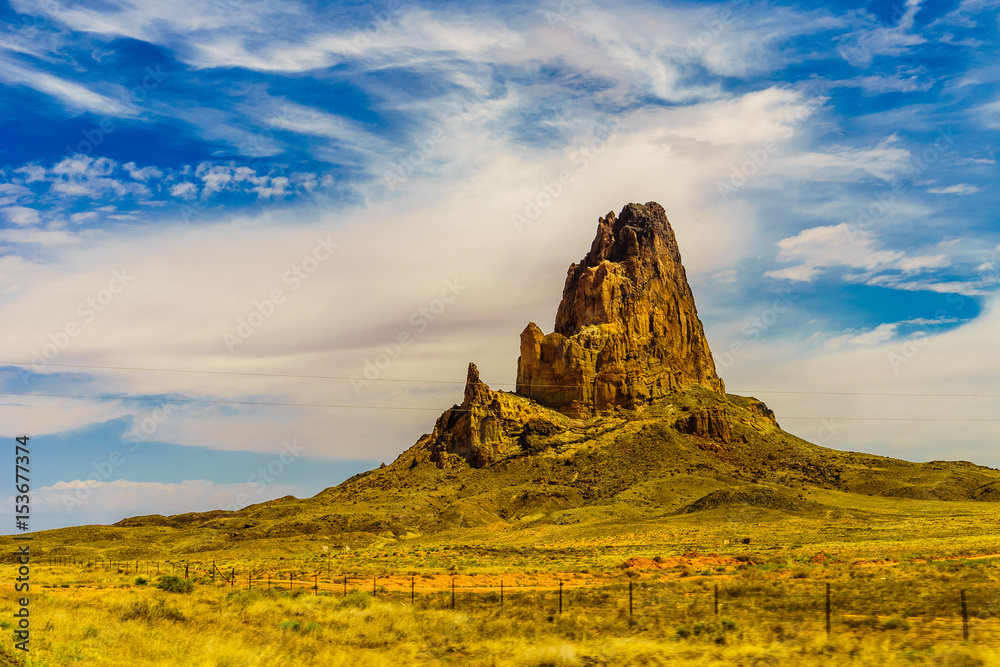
{"points": [[74, 95], [958, 189]]}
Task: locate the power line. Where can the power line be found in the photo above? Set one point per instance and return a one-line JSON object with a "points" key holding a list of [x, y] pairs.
{"points": [[400, 407], [200, 400], [892, 419], [462, 382], [204, 372], [860, 393]]}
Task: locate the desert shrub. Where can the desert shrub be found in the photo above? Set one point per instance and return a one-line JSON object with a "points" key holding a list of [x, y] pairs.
{"points": [[894, 623], [289, 625], [173, 584], [355, 600], [143, 611], [140, 581]]}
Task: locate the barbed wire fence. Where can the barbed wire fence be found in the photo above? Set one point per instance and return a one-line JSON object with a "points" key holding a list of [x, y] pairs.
{"points": [[785, 607]]}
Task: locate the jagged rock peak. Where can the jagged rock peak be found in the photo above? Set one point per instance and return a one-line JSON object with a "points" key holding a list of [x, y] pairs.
{"points": [[471, 430], [627, 331], [476, 391], [487, 426]]}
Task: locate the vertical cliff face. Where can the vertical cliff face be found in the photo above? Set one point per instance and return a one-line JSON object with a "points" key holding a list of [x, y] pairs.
{"points": [[627, 331]]}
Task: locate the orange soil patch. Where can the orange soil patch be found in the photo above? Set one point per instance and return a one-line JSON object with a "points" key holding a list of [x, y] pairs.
{"points": [[690, 559]]}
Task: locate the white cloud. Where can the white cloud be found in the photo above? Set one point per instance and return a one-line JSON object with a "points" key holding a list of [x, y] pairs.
{"points": [[32, 172], [879, 334], [78, 218], [85, 176], [276, 187], [185, 190], [152, 21], [314, 122], [142, 173], [844, 245], [21, 215], [923, 262], [839, 164], [12, 193], [958, 189], [214, 177], [833, 245], [862, 46], [906, 81], [77, 97]]}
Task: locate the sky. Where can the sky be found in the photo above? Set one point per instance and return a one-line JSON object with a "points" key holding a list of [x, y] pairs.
{"points": [[248, 248]]}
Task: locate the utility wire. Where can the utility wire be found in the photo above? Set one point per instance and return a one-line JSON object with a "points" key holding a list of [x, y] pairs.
{"points": [[273, 375], [893, 419], [401, 407], [201, 400], [860, 393], [462, 382]]}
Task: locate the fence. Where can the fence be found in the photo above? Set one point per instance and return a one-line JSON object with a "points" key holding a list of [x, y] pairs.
{"points": [[972, 612]]}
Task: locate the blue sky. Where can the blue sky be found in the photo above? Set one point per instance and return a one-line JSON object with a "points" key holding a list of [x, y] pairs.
{"points": [[254, 192]]}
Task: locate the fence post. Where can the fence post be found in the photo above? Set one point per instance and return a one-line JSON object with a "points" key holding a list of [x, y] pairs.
{"points": [[828, 610], [413, 581], [289, 581], [316, 583], [560, 596], [345, 585], [453, 592], [501, 593], [717, 599], [965, 618], [249, 579], [232, 578], [187, 570], [630, 598], [373, 586]]}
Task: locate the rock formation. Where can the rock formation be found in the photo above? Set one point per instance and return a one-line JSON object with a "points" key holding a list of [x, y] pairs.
{"points": [[627, 331], [470, 430], [710, 422], [487, 425], [627, 334]]}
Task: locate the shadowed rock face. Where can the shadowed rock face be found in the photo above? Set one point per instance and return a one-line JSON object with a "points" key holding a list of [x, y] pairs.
{"points": [[488, 425], [627, 331], [471, 431]]}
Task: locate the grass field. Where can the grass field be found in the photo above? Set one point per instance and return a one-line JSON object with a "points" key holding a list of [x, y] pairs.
{"points": [[895, 577]]}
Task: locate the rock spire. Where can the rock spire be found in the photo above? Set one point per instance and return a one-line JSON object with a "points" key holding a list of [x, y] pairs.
{"points": [[627, 331]]}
